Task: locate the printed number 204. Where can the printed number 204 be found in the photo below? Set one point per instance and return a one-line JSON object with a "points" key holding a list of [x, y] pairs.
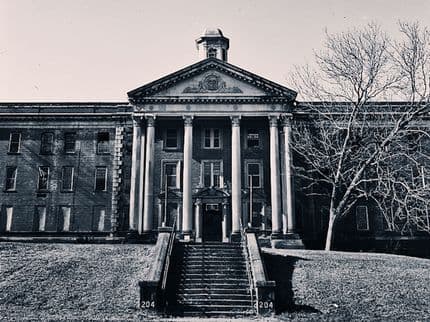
{"points": [[148, 304], [264, 305]]}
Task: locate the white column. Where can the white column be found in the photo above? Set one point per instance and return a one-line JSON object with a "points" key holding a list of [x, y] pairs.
{"points": [[275, 178], [289, 183], [187, 198], [148, 202], [236, 182], [141, 181], [134, 176], [225, 222], [198, 217]]}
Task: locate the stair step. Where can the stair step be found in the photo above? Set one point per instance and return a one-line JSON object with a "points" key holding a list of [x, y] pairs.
{"points": [[208, 261], [210, 272], [215, 302], [206, 274], [213, 291], [216, 286], [238, 308], [218, 314], [215, 296]]}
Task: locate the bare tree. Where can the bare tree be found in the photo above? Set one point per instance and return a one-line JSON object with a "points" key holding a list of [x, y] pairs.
{"points": [[347, 134]]}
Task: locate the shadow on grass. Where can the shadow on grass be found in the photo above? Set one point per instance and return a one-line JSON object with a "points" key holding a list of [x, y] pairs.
{"points": [[280, 269]]}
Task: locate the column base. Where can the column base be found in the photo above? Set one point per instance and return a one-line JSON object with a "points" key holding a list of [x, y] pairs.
{"points": [[132, 236], [235, 237], [187, 236], [293, 241], [276, 235]]}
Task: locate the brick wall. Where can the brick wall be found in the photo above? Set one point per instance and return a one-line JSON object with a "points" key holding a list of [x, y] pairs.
{"points": [[82, 200]]}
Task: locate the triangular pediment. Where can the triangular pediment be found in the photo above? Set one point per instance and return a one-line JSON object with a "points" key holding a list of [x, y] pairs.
{"points": [[211, 78]]}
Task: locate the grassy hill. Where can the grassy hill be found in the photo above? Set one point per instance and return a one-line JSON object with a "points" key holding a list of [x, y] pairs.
{"points": [[343, 286], [99, 282]]}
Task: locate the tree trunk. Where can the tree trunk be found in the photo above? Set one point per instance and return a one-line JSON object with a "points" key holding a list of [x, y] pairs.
{"points": [[330, 232]]}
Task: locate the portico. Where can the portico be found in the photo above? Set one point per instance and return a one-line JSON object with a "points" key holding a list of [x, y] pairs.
{"points": [[212, 140]]}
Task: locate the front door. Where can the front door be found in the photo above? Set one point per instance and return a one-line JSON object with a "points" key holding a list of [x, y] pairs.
{"points": [[212, 225]]}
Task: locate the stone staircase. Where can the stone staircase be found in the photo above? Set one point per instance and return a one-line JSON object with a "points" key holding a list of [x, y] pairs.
{"points": [[210, 280]]}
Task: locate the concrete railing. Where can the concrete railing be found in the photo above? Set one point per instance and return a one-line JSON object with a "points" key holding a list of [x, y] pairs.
{"points": [[151, 292], [264, 289]]}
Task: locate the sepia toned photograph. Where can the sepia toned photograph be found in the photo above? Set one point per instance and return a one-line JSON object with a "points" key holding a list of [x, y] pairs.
{"points": [[220, 160]]}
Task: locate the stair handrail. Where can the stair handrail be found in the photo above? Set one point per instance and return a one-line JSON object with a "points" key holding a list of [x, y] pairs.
{"points": [[248, 264], [168, 256]]}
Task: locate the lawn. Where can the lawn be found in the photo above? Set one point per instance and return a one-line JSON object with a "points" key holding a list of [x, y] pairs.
{"points": [[99, 282], [70, 281], [343, 286]]}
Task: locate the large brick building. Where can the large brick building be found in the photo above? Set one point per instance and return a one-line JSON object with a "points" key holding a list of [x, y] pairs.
{"points": [[206, 149]]}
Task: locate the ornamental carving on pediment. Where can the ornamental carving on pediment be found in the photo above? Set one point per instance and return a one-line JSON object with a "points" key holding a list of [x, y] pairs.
{"points": [[211, 83]]}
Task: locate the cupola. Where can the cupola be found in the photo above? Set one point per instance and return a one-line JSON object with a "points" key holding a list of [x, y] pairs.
{"points": [[213, 44]]}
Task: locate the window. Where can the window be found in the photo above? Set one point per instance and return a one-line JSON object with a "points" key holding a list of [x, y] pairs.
{"points": [[170, 175], [43, 181], [171, 139], [10, 184], [67, 178], [212, 174], [64, 218], [14, 142], [211, 52], [69, 142], [212, 206], [100, 179], [362, 218], [46, 143], [255, 209], [6, 213], [253, 138], [168, 214], [9, 214], [99, 215], [254, 174], [103, 143], [212, 138], [39, 218]]}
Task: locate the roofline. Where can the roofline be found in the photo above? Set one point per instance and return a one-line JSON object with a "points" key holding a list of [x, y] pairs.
{"points": [[63, 103]]}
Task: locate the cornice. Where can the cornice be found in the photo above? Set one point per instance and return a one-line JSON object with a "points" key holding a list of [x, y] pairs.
{"points": [[211, 100]]}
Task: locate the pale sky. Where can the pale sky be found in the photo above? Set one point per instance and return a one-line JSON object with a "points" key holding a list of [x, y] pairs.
{"points": [[94, 50]]}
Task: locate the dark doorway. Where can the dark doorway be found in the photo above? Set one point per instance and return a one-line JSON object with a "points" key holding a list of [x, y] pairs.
{"points": [[212, 225]]}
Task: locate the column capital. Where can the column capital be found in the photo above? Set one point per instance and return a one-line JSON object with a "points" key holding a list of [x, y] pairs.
{"points": [[198, 202], [137, 121], [150, 120], [188, 120], [235, 120], [273, 120], [287, 120]]}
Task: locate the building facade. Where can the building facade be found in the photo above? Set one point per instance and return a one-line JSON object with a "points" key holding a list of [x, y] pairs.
{"points": [[206, 149]]}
